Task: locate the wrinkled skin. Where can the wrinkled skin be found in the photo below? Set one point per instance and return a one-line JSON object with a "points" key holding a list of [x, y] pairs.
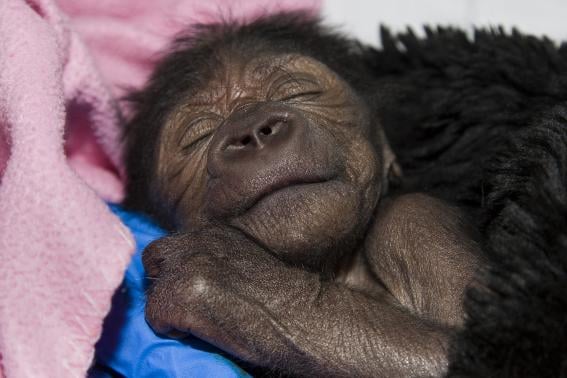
{"points": [[262, 188], [286, 256]]}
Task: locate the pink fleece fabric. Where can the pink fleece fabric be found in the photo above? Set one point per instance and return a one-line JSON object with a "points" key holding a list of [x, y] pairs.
{"points": [[63, 66]]}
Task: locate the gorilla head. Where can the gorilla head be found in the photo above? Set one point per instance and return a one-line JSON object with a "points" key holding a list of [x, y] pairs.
{"points": [[259, 132]]}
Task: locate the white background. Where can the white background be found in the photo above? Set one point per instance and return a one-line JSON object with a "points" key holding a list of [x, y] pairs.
{"points": [[362, 17]]}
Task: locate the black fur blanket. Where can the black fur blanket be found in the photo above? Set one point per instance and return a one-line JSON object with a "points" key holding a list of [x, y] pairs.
{"points": [[482, 122]]}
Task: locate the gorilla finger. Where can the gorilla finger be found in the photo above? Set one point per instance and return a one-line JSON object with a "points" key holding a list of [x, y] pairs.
{"points": [[157, 252]]}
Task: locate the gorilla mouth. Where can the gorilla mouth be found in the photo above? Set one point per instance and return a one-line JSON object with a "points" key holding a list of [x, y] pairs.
{"points": [[237, 196], [285, 183]]}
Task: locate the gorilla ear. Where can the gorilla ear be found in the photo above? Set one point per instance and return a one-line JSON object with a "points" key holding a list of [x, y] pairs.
{"points": [[391, 171]]}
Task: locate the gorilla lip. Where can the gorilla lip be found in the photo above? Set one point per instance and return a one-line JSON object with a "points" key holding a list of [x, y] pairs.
{"points": [[285, 183]]}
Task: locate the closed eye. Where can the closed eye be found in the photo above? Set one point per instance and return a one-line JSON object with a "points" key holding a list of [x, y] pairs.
{"points": [[197, 131], [295, 87], [305, 96]]}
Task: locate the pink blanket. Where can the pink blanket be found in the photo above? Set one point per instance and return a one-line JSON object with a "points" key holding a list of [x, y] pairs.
{"points": [[63, 65]]}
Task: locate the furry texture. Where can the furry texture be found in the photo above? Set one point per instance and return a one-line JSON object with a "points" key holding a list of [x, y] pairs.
{"points": [[483, 123], [55, 232]]}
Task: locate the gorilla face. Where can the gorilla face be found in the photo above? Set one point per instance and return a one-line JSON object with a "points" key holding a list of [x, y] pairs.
{"points": [[277, 147]]}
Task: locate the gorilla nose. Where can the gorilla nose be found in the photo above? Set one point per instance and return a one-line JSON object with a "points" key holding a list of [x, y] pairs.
{"points": [[257, 134], [253, 138]]}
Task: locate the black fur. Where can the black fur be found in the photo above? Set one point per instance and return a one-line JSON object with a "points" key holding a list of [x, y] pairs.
{"points": [[484, 124], [517, 325]]}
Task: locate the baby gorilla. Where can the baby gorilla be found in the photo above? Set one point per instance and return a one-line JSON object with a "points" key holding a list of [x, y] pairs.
{"points": [[260, 145]]}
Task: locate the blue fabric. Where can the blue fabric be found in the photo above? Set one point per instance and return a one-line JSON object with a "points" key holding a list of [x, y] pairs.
{"points": [[129, 347]]}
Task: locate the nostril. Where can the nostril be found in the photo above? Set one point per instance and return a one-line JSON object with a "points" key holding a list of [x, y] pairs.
{"points": [[246, 140], [266, 130], [273, 127], [254, 133]]}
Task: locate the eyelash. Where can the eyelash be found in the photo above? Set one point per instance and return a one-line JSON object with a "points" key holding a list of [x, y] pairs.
{"points": [[304, 94], [198, 130]]}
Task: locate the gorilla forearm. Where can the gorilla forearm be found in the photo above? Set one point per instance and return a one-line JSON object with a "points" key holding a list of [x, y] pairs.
{"points": [[236, 295]]}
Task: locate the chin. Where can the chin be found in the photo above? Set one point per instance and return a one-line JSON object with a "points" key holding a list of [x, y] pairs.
{"points": [[298, 218]]}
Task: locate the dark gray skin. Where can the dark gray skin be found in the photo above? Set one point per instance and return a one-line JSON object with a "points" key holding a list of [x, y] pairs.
{"points": [[286, 256]]}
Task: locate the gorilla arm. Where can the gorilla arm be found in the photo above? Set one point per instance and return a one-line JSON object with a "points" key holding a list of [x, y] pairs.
{"points": [[424, 252], [221, 286]]}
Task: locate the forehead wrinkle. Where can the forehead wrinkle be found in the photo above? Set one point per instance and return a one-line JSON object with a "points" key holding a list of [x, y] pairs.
{"points": [[224, 87], [238, 79]]}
